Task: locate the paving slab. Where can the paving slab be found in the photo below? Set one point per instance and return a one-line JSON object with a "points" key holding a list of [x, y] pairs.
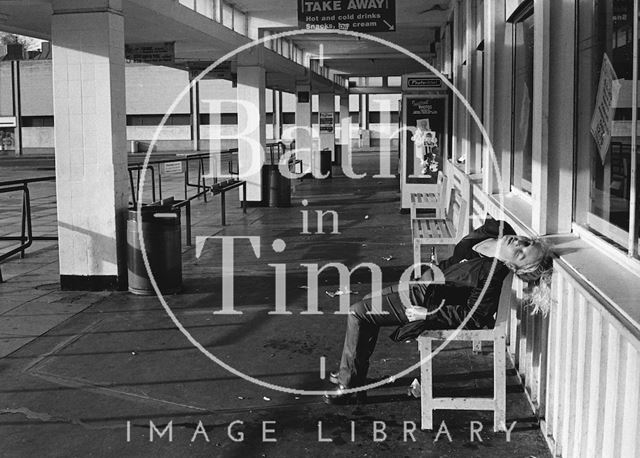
{"points": [[96, 374]]}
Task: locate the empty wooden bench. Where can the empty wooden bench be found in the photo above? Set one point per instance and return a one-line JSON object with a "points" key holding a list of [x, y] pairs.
{"points": [[430, 200], [438, 231], [498, 335]]}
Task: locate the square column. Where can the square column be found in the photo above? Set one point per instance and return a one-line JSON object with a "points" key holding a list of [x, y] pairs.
{"points": [[303, 133], [364, 121], [383, 105], [251, 129], [90, 142], [345, 127], [194, 115], [326, 109]]}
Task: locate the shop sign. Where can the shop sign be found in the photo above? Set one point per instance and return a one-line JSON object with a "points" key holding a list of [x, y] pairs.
{"points": [[221, 71], [423, 83], [356, 15], [606, 102], [150, 53], [326, 122]]}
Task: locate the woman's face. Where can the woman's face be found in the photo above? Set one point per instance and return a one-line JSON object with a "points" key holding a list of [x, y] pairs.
{"points": [[519, 251]]}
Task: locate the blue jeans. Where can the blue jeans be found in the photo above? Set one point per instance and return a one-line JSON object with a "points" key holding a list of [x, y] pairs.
{"points": [[362, 334]]}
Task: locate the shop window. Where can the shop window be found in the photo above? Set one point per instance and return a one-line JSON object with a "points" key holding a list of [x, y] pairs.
{"points": [[288, 118], [522, 99], [155, 120], [605, 112], [227, 15], [37, 121]]}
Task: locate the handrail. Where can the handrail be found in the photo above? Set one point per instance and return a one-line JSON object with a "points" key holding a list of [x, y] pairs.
{"points": [[27, 180], [26, 236]]}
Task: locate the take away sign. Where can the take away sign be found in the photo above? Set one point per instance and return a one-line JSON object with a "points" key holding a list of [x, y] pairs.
{"points": [[357, 15]]}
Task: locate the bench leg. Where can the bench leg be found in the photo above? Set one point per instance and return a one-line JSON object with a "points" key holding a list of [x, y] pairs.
{"points": [[477, 346], [244, 198], [416, 258], [426, 389], [499, 383]]}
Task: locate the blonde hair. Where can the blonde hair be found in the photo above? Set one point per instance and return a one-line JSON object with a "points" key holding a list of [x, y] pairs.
{"points": [[538, 294]]}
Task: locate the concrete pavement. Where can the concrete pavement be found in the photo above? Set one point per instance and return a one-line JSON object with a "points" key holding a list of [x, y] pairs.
{"points": [[95, 373]]}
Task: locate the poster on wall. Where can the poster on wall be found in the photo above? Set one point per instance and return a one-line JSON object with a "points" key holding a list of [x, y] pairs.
{"points": [[326, 122], [426, 120], [606, 102]]}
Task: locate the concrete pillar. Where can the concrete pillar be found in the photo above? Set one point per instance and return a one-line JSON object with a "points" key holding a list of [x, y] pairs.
{"points": [[194, 106], [326, 107], [383, 105], [251, 129], [345, 125], [90, 142], [497, 90], [304, 140], [278, 115], [364, 111], [276, 119], [552, 172], [364, 121], [17, 107]]}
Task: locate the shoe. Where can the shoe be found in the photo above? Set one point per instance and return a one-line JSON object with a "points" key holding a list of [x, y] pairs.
{"points": [[337, 397], [334, 377]]}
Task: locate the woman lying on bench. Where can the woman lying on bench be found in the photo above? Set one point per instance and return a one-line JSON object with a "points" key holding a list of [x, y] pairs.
{"points": [[440, 306]]}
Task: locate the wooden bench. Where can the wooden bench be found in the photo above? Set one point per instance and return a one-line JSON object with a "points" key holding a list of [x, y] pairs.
{"points": [[439, 231], [430, 200], [498, 336]]}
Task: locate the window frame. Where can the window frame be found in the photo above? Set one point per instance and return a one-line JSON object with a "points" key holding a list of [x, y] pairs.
{"points": [[524, 11], [584, 218]]}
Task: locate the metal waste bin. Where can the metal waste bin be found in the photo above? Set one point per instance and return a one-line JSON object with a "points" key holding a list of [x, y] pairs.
{"points": [[338, 155], [325, 162], [276, 188], [161, 233]]}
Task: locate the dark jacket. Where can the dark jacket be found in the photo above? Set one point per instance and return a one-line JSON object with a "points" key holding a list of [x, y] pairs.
{"points": [[465, 273]]}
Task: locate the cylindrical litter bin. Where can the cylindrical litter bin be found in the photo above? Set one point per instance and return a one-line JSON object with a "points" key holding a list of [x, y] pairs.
{"points": [[338, 155], [162, 243], [279, 188], [276, 189], [325, 162]]}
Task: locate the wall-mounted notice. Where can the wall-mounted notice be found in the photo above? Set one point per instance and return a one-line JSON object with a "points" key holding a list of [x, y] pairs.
{"points": [[357, 15], [172, 167], [326, 122], [151, 53], [606, 102]]}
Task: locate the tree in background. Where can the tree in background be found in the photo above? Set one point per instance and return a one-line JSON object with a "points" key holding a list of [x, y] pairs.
{"points": [[28, 43]]}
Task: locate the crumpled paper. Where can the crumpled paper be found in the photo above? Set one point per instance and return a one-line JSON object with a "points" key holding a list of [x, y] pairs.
{"points": [[340, 292], [414, 388]]}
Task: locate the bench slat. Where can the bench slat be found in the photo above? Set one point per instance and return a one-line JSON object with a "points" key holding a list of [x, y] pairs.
{"points": [[463, 403]]}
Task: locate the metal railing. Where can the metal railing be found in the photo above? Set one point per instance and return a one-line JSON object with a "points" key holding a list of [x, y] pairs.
{"points": [[26, 237], [154, 166]]}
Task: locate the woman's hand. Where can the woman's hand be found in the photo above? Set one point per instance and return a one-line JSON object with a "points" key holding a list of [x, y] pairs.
{"points": [[416, 313]]}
